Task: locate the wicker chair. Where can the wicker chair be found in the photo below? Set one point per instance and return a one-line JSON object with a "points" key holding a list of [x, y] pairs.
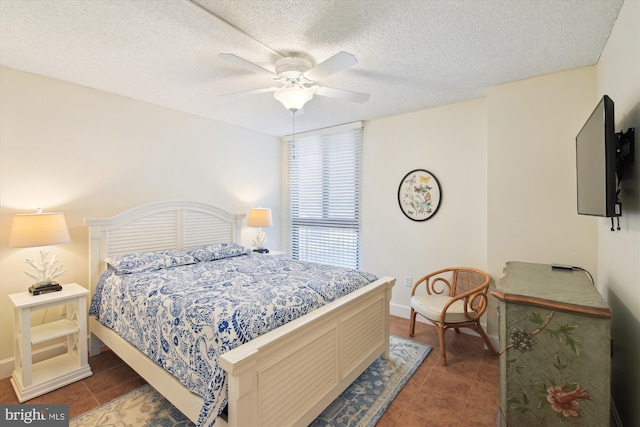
{"points": [[455, 298]]}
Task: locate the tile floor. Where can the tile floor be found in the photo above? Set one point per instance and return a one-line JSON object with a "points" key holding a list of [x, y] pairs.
{"points": [[464, 393]]}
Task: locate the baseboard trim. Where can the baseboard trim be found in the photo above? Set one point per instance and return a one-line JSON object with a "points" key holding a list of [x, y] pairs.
{"points": [[615, 417], [7, 365], [404, 311]]}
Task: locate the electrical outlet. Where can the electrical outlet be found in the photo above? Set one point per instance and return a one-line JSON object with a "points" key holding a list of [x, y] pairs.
{"points": [[407, 281]]}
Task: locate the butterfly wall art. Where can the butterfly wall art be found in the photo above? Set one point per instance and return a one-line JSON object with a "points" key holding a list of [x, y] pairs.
{"points": [[419, 195]]}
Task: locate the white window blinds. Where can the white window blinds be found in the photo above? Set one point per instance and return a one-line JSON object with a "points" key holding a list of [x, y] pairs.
{"points": [[324, 195]]}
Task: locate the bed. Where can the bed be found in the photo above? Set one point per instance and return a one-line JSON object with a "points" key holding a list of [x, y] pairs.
{"points": [[284, 377]]}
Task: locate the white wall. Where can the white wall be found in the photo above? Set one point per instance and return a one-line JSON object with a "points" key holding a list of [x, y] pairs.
{"points": [[618, 75], [89, 153], [450, 142], [506, 165], [531, 180]]}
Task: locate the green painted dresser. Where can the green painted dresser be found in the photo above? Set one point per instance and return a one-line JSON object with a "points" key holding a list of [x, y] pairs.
{"points": [[554, 331]]}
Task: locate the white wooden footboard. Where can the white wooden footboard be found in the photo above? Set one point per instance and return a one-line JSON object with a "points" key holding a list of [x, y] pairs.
{"points": [[288, 376]]}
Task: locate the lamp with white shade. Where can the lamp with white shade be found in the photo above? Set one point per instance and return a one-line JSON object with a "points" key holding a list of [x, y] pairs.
{"points": [[260, 217], [41, 229]]}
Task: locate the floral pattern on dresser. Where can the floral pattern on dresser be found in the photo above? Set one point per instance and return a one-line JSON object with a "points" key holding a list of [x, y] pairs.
{"points": [[546, 353]]}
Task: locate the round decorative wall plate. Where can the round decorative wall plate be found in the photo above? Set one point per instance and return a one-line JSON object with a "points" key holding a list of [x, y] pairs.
{"points": [[419, 195]]}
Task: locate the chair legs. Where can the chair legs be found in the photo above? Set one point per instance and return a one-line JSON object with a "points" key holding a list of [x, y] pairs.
{"points": [[477, 327], [443, 349], [412, 332], [412, 322], [486, 339], [441, 330]]}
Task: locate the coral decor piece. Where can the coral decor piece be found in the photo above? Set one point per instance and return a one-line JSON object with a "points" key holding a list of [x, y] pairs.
{"points": [[261, 239], [46, 268]]}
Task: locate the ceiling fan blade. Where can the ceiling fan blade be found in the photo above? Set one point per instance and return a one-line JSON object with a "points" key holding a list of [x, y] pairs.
{"points": [[246, 64], [342, 94], [251, 92], [337, 62]]}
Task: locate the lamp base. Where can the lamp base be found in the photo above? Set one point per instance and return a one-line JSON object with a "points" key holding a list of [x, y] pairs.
{"points": [[262, 251], [43, 289]]}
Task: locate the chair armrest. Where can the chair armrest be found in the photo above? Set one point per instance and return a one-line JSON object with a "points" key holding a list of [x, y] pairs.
{"points": [[476, 296], [430, 284]]}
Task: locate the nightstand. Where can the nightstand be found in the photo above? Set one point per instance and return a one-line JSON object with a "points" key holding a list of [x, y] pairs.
{"points": [[33, 379]]}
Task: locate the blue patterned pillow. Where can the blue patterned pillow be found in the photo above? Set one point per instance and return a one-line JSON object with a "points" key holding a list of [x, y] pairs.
{"points": [[149, 261], [218, 251]]}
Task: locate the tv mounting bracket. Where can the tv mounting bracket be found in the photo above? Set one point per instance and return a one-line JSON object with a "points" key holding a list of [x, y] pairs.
{"points": [[625, 151], [625, 154]]}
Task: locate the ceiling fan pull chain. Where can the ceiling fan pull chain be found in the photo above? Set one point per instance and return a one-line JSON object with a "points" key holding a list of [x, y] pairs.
{"points": [[293, 127]]}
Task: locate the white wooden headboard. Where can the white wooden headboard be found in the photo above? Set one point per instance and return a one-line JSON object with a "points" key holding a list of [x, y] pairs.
{"points": [[158, 226]]}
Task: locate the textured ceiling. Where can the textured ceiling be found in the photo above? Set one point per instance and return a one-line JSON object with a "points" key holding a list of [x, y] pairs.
{"points": [[413, 54]]}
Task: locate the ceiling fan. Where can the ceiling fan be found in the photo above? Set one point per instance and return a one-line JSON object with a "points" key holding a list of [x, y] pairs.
{"points": [[299, 79]]}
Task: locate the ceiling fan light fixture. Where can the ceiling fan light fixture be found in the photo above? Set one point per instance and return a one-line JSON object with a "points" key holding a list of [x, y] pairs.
{"points": [[293, 97]]}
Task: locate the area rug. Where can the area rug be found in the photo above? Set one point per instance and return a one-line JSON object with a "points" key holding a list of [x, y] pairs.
{"points": [[361, 405]]}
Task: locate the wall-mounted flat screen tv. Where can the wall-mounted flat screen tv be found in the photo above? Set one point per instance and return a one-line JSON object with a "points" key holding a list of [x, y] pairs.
{"points": [[596, 163]]}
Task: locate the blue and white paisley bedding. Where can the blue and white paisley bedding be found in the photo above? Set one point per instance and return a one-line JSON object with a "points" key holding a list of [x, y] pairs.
{"points": [[184, 317]]}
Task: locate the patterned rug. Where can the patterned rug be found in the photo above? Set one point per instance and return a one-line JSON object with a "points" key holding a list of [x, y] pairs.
{"points": [[362, 404]]}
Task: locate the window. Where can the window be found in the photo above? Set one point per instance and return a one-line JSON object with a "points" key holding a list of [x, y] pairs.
{"points": [[324, 195]]}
